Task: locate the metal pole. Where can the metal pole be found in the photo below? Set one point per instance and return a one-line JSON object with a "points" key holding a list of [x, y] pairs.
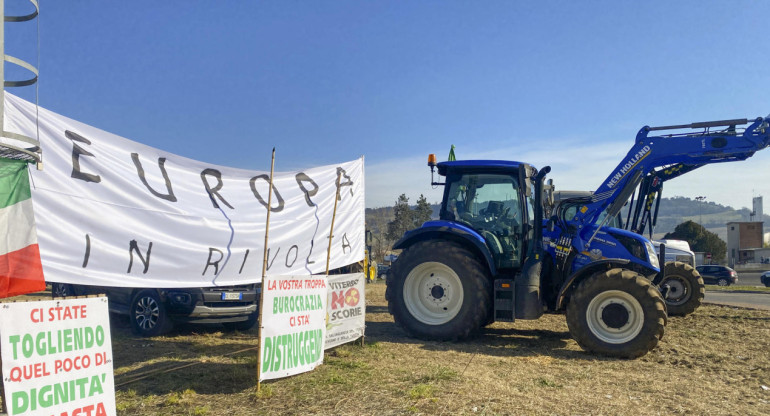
{"points": [[264, 273], [334, 215], [700, 199]]}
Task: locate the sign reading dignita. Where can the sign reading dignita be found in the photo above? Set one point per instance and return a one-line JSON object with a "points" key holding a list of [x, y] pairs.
{"points": [[57, 357]]}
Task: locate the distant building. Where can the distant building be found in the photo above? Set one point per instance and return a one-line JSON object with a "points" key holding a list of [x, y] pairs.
{"points": [[757, 213], [744, 239]]}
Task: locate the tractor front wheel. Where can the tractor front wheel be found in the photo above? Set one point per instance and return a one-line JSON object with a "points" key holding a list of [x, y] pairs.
{"points": [[686, 288], [437, 290], [617, 313]]}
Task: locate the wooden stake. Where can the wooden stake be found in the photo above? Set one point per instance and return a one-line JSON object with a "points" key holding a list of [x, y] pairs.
{"points": [[3, 408], [264, 273], [334, 216]]}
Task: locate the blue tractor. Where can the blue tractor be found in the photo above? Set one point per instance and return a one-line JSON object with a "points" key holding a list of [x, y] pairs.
{"points": [[492, 256]]}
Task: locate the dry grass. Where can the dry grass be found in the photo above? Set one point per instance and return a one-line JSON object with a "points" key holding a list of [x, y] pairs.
{"points": [[715, 361]]}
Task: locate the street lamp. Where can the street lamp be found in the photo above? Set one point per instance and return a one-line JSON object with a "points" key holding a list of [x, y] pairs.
{"points": [[700, 208]]}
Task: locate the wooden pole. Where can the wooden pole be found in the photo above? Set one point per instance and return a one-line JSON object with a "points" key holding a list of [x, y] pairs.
{"points": [[3, 408], [334, 215], [366, 275], [264, 273], [331, 234]]}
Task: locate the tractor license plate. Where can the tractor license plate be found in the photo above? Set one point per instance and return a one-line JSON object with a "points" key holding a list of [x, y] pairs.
{"points": [[232, 296]]}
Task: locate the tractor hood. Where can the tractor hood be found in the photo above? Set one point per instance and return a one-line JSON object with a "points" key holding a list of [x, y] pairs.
{"points": [[612, 242]]}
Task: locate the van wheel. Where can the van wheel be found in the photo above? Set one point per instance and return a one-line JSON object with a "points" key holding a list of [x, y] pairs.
{"points": [[148, 315]]}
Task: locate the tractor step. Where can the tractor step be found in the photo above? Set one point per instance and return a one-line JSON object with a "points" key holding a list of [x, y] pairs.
{"points": [[504, 300]]}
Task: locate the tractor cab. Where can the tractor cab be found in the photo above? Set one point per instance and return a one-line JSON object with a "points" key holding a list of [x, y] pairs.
{"points": [[488, 197]]}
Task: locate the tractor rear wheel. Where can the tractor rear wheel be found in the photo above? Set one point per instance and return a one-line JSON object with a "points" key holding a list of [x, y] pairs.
{"points": [[686, 288], [617, 313], [438, 290]]}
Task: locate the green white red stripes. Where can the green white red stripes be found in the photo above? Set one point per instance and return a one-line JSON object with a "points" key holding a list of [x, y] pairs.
{"points": [[20, 268]]}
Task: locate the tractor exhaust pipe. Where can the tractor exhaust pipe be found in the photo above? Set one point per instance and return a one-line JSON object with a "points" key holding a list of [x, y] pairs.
{"points": [[529, 303]]}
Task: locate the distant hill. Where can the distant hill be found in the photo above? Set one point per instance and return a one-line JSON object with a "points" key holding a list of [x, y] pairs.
{"points": [[673, 211], [713, 216]]}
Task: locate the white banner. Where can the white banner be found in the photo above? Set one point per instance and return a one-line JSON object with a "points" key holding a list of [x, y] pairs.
{"points": [[57, 357], [293, 325], [114, 212], [345, 309]]}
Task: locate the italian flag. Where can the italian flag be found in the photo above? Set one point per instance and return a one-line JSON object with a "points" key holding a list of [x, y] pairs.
{"points": [[20, 268]]}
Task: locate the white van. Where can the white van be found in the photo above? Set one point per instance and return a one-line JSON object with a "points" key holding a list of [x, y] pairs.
{"points": [[676, 250]]}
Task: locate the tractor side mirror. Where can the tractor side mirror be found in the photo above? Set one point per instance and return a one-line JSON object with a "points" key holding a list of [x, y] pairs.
{"points": [[548, 193], [368, 238]]}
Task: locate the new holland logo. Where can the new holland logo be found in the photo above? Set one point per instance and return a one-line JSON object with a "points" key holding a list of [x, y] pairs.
{"points": [[641, 154]]}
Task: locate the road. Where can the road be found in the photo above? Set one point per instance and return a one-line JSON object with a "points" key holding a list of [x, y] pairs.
{"points": [[756, 300], [742, 299], [749, 279]]}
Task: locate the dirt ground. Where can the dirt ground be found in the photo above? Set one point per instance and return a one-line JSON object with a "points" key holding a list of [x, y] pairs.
{"points": [[715, 361]]}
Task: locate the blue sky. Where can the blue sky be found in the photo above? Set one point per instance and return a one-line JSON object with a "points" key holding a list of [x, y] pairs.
{"points": [[562, 83]]}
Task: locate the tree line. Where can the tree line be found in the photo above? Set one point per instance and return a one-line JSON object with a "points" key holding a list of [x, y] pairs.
{"points": [[700, 240], [389, 227]]}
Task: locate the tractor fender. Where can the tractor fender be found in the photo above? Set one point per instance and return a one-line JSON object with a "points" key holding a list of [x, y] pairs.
{"points": [[446, 230], [581, 274]]}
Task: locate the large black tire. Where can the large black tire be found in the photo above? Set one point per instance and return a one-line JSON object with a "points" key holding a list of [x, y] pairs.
{"points": [[437, 290], [686, 288], [148, 314], [617, 313]]}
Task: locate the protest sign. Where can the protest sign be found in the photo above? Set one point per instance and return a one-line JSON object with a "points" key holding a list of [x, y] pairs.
{"points": [[57, 357], [345, 310], [114, 212], [293, 325]]}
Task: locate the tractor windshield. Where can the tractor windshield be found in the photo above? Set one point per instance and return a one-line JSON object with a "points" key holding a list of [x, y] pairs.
{"points": [[490, 204], [571, 210]]}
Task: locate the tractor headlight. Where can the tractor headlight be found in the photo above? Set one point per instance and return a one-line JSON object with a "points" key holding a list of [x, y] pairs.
{"points": [[633, 245], [652, 254]]}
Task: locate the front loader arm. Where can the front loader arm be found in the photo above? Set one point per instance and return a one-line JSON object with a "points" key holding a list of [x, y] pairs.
{"points": [[673, 155]]}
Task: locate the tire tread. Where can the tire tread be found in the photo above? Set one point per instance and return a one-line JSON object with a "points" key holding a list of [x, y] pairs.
{"points": [[613, 279], [698, 291], [474, 273]]}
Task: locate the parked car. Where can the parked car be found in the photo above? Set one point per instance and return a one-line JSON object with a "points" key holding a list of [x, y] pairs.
{"points": [[382, 271], [153, 311], [716, 274], [765, 279]]}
